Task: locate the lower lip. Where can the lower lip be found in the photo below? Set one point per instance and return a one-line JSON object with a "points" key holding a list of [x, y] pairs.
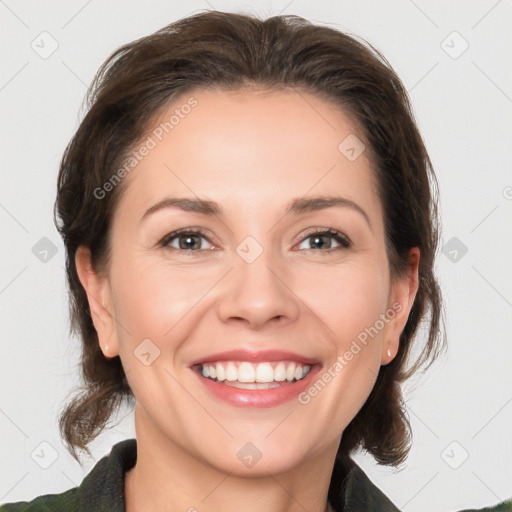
{"points": [[258, 397]]}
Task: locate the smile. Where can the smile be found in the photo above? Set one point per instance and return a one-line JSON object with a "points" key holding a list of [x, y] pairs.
{"points": [[255, 378], [246, 375]]}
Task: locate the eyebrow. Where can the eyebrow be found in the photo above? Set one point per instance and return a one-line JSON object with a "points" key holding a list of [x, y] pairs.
{"points": [[296, 206]]}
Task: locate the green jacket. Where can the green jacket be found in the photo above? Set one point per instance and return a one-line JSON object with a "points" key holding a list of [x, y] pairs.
{"points": [[102, 490]]}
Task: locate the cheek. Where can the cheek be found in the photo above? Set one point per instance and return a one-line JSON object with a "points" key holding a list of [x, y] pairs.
{"points": [[152, 297], [349, 299]]}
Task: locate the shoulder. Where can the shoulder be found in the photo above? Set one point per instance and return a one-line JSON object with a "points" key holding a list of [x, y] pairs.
{"points": [[359, 493], [101, 489], [352, 491], [63, 502]]}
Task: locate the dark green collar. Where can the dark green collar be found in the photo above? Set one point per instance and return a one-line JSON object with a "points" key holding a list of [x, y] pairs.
{"points": [[352, 491]]}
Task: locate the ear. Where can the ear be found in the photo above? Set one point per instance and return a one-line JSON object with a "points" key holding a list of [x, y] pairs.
{"points": [[402, 295], [98, 293]]}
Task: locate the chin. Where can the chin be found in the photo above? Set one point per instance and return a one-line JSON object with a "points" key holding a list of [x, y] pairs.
{"points": [[254, 458], [274, 464]]}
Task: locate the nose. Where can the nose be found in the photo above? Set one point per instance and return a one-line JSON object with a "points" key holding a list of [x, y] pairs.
{"points": [[258, 294]]}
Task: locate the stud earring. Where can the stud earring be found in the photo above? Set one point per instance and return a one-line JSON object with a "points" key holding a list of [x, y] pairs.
{"points": [[389, 352], [106, 348]]}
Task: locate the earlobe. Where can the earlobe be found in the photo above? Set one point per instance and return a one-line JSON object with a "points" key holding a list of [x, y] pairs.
{"points": [[404, 290], [98, 295]]}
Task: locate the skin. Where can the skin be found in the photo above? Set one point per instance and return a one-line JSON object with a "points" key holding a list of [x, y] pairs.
{"points": [[253, 151]]}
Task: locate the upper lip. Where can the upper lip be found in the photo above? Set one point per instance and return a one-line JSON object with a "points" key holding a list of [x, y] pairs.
{"points": [[255, 356]]}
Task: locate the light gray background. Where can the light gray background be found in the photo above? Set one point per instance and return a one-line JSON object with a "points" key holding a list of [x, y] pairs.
{"points": [[462, 102]]}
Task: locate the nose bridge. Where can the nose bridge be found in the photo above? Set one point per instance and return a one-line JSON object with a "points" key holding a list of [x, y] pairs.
{"points": [[256, 290]]}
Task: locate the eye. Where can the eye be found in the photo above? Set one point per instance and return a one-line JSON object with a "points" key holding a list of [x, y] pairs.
{"points": [[322, 239], [187, 240]]}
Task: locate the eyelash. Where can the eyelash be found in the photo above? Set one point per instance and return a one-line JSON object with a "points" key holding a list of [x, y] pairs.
{"points": [[342, 239]]}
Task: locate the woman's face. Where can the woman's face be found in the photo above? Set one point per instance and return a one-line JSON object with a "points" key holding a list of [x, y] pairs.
{"points": [[253, 278]]}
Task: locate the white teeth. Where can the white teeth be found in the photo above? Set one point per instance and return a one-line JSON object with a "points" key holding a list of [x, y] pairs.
{"points": [[246, 372], [280, 372], [264, 373], [290, 372], [221, 374], [231, 372], [258, 373], [253, 385]]}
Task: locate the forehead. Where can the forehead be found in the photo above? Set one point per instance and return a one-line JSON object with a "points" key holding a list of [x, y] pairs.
{"points": [[255, 147]]}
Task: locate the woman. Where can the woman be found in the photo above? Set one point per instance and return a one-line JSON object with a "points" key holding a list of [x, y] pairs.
{"points": [[250, 223]]}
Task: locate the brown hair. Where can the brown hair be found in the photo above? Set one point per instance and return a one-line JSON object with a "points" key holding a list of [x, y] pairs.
{"points": [[231, 51]]}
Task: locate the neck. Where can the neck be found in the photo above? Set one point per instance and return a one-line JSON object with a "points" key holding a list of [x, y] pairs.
{"points": [[166, 477]]}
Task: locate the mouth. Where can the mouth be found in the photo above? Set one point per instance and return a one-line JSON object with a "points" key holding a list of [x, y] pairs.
{"points": [[255, 379], [247, 375]]}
